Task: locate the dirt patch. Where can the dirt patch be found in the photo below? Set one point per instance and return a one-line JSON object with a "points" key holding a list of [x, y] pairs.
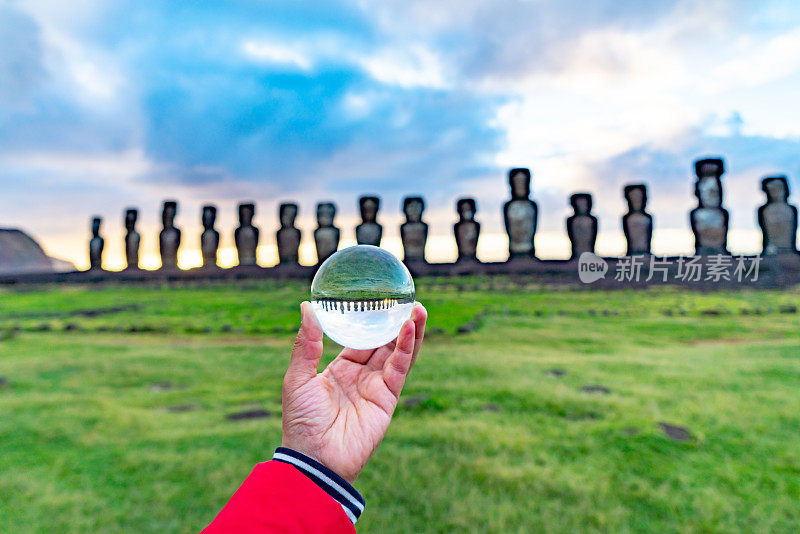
{"points": [[249, 414], [594, 388], [675, 433]]}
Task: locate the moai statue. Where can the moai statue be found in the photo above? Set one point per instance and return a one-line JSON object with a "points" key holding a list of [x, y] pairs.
{"points": [[467, 230], [414, 232], [369, 232], [582, 225], [709, 220], [169, 240], [777, 218], [288, 236], [96, 245], [520, 215], [246, 235], [326, 236], [637, 224], [209, 239], [132, 239]]}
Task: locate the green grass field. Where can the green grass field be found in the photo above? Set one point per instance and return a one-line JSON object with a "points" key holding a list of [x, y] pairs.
{"points": [[114, 404]]}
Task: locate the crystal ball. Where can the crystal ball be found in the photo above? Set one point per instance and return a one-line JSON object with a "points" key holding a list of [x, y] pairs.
{"points": [[361, 296]]}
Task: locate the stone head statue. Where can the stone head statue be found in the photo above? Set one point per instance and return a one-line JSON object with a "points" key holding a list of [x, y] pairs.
{"points": [[209, 217], [131, 216], [414, 232], [247, 211], [169, 240], [708, 191], [709, 167], [132, 239], [777, 218], [467, 230], [369, 208], [209, 239], [96, 226], [369, 232], [246, 235], [288, 236], [581, 203], [520, 181], [582, 225], [637, 225], [168, 213], [636, 196], [287, 214], [326, 212], [466, 209], [326, 236], [776, 188], [413, 208], [96, 244]]}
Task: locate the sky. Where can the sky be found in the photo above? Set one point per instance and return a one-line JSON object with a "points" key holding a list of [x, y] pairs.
{"points": [[106, 105]]}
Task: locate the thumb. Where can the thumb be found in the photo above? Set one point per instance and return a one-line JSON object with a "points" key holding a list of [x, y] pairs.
{"points": [[307, 349]]}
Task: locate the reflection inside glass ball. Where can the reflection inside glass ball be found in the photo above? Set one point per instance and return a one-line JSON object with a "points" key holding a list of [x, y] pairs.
{"points": [[361, 296]]}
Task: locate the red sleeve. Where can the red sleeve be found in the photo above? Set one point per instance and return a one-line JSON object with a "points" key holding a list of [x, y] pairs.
{"points": [[278, 497]]}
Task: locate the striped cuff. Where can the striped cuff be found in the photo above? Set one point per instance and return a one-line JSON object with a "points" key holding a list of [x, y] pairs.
{"points": [[350, 500]]}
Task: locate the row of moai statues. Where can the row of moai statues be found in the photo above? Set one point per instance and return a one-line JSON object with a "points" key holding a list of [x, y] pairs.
{"points": [[709, 223]]}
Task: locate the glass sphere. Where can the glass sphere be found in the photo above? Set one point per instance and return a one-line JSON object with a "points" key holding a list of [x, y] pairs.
{"points": [[361, 296]]}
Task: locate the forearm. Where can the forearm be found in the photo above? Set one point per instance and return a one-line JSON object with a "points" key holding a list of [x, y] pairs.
{"points": [[291, 493]]}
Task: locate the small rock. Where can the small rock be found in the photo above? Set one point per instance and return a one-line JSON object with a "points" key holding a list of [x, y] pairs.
{"points": [[491, 408], [556, 372], [71, 327], [594, 388], [466, 328], [248, 414], [788, 309], [676, 433], [180, 408], [415, 400], [711, 313]]}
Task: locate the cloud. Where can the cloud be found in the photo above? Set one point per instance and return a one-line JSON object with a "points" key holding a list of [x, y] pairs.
{"points": [[22, 70]]}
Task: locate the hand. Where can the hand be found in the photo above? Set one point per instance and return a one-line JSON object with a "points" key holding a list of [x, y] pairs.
{"points": [[339, 416]]}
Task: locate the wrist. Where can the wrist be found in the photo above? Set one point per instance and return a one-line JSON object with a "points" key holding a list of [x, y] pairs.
{"points": [[334, 485]]}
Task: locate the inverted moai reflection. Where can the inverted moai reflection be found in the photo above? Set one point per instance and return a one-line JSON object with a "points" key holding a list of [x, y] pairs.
{"points": [[132, 239], [777, 218], [246, 235], [709, 220], [209, 239], [96, 245], [581, 225], [288, 235], [414, 232], [520, 215], [169, 240], [637, 224], [360, 305], [466, 230], [369, 232], [326, 236]]}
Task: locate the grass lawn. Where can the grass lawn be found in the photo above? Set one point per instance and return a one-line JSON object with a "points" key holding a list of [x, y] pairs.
{"points": [[114, 405]]}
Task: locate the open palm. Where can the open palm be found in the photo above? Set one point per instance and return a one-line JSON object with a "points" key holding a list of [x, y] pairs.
{"points": [[339, 416]]}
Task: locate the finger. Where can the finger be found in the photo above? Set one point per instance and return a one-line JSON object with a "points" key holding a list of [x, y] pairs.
{"points": [[398, 364], [420, 318], [356, 355], [307, 349]]}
